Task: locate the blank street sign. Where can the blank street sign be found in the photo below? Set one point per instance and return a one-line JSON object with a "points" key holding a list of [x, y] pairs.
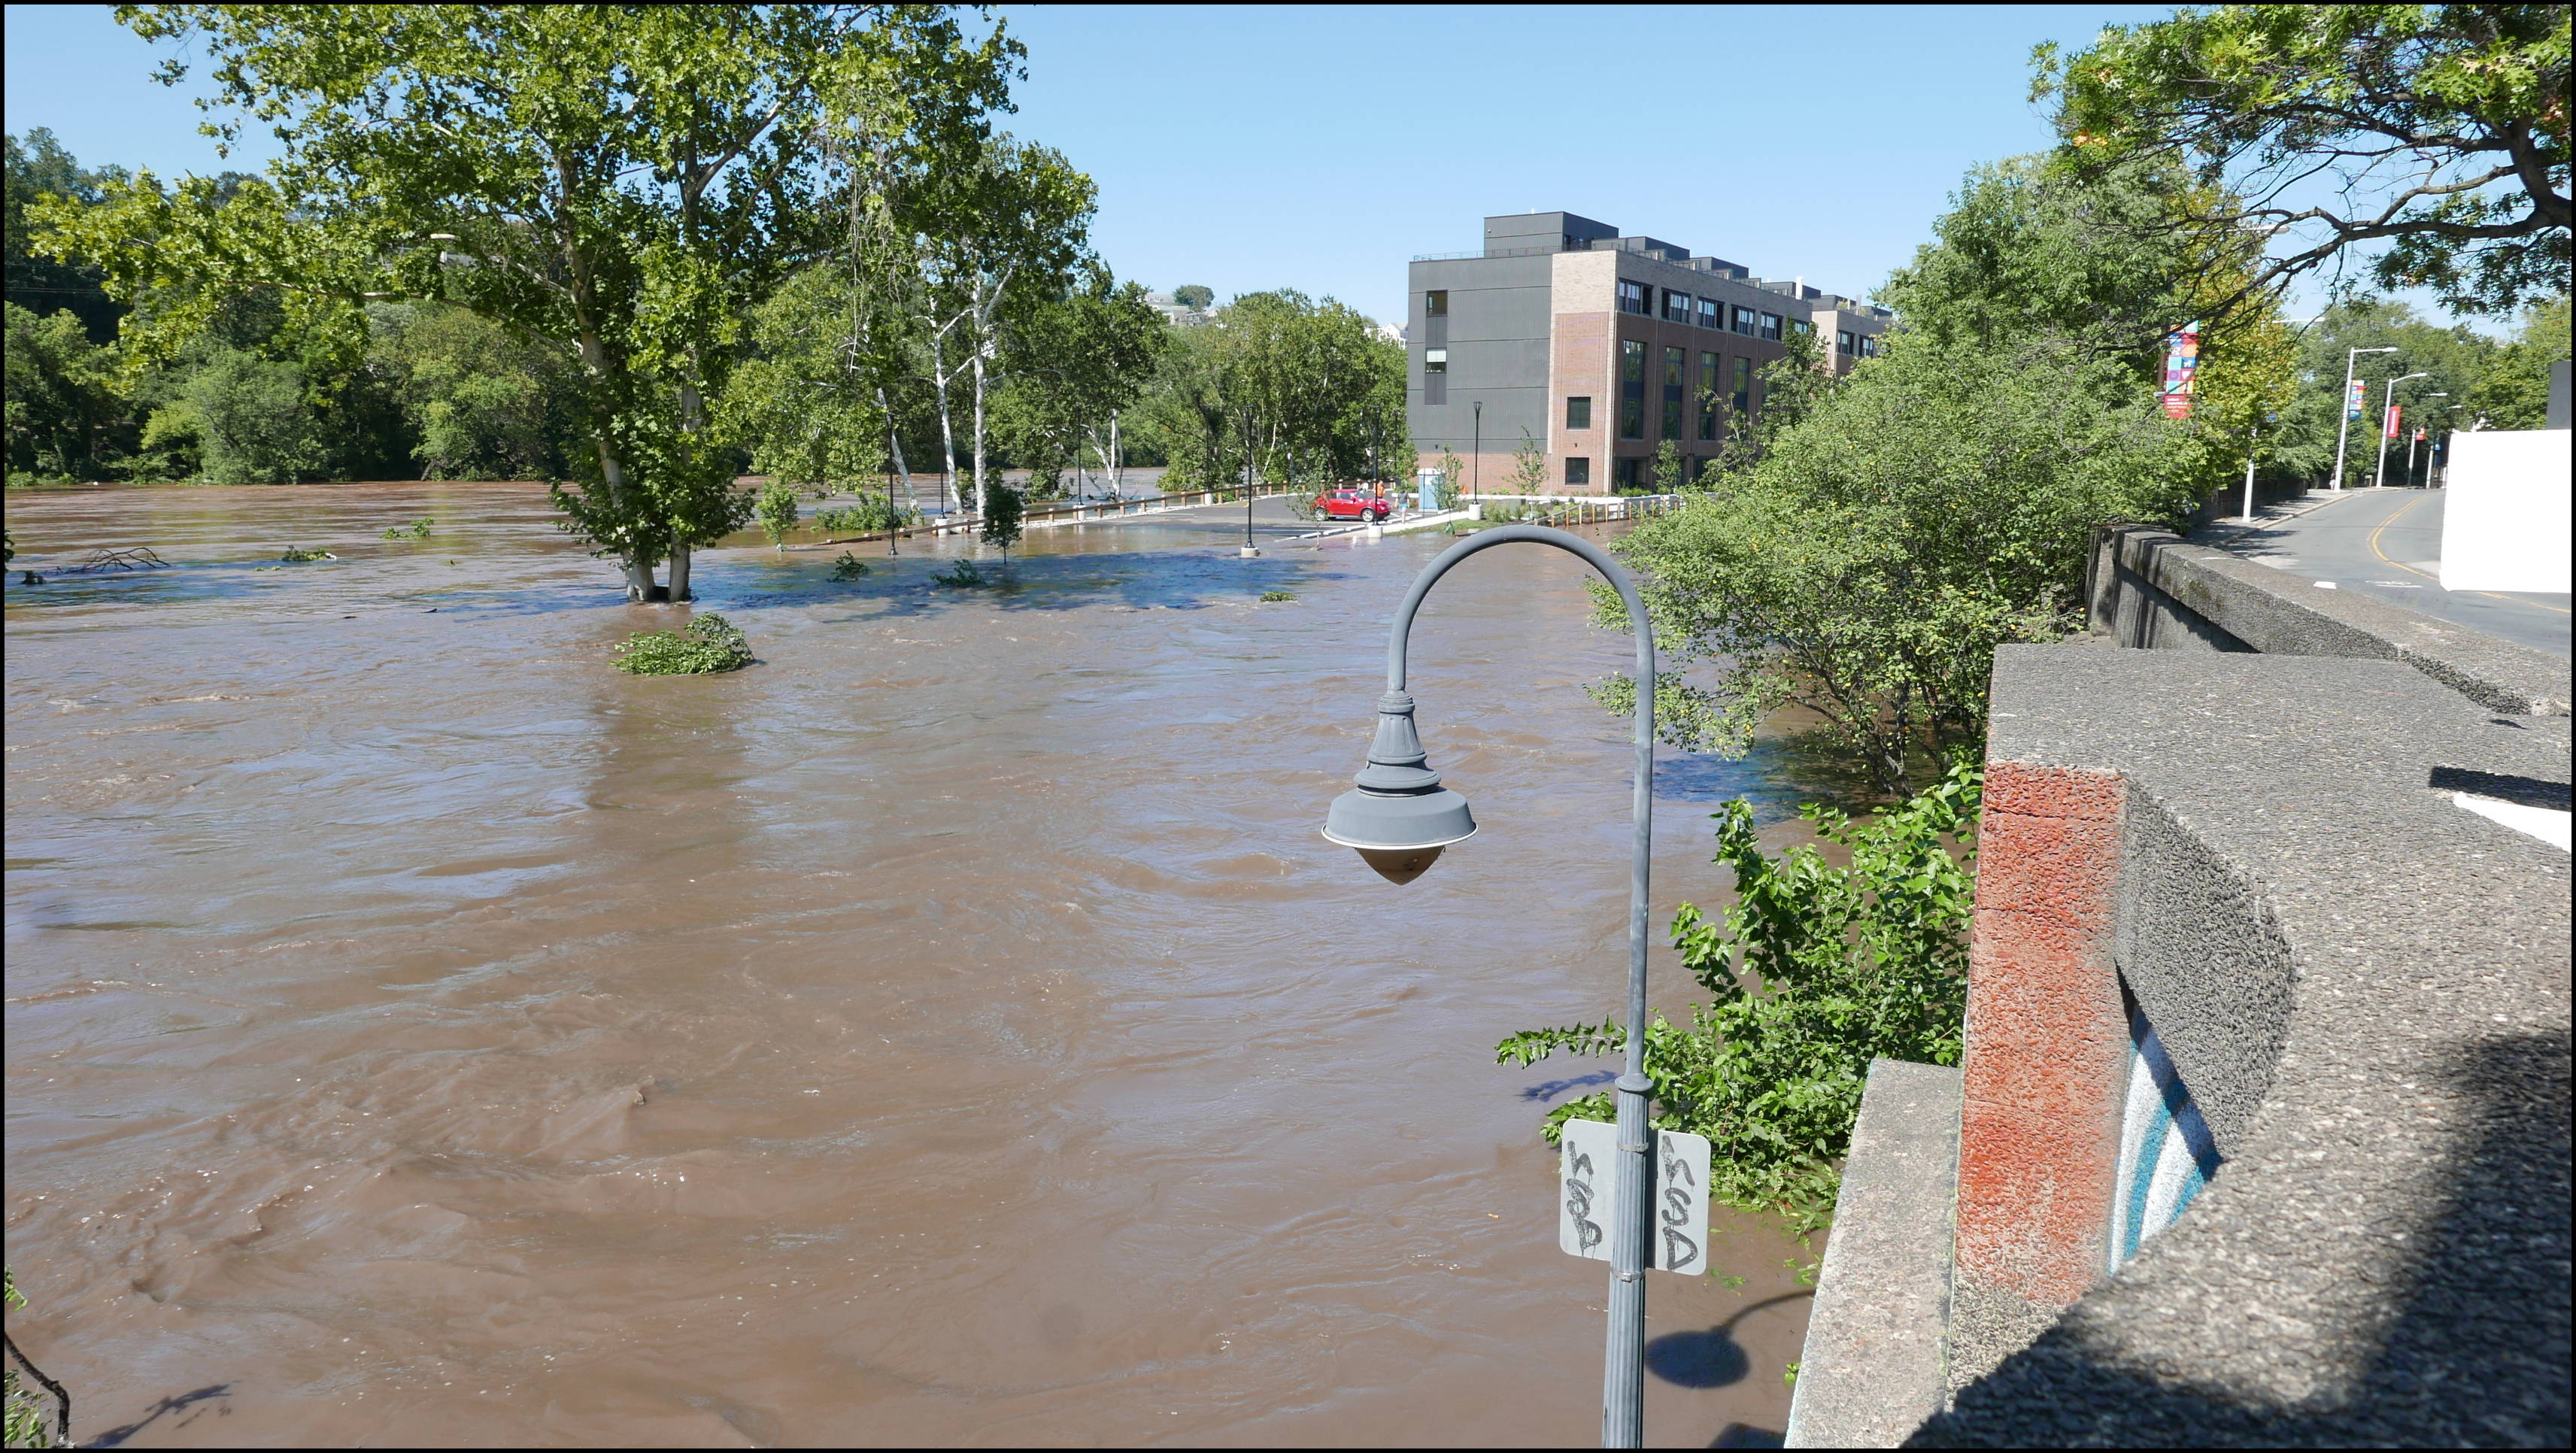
{"points": [[1677, 1196]]}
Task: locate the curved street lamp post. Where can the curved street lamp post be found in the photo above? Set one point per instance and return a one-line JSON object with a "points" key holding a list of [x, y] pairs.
{"points": [[1399, 818]]}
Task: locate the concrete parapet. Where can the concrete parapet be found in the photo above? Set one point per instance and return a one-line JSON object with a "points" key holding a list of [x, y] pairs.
{"points": [[1871, 1371], [2150, 587], [2364, 987]]}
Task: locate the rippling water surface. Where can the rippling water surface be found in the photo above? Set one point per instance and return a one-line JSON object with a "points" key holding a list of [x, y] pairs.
{"points": [[949, 1030]]}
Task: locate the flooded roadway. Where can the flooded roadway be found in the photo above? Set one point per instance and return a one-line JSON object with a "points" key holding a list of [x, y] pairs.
{"points": [[949, 1030]]}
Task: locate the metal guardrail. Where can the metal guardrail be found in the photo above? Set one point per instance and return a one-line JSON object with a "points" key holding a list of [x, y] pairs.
{"points": [[1609, 508]]}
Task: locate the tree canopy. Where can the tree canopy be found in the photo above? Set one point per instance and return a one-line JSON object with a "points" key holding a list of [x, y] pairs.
{"points": [[2434, 136]]}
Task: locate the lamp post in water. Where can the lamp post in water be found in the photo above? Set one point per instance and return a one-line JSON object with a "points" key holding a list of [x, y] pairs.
{"points": [[1399, 818]]}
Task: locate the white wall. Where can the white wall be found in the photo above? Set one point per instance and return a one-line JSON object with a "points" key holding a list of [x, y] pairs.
{"points": [[2504, 516]]}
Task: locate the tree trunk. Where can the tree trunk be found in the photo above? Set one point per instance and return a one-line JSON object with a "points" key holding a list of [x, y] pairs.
{"points": [[981, 502], [947, 433], [1117, 477], [680, 573], [639, 564]]}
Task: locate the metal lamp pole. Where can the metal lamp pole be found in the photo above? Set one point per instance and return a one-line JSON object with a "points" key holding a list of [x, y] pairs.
{"points": [[2343, 406], [2387, 396], [1476, 457], [1399, 817]]}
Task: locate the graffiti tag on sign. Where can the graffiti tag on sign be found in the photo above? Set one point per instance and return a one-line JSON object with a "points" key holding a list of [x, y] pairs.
{"points": [[1676, 1196]]}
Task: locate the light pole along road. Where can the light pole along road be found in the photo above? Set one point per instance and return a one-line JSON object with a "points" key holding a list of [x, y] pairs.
{"points": [[2346, 407], [1399, 817]]}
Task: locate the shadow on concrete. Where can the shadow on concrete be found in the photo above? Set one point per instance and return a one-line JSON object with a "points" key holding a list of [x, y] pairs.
{"points": [[1745, 1435], [2476, 1355]]}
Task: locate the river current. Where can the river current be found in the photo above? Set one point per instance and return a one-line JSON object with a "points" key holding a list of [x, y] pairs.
{"points": [[950, 1029]]}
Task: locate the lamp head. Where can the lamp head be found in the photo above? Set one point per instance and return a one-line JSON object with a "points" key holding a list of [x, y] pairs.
{"points": [[1397, 815]]}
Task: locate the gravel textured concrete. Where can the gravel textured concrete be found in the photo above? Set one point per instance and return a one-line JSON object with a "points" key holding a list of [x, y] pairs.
{"points": [[2368, 988], [2149, 587], [1871, 1371]]}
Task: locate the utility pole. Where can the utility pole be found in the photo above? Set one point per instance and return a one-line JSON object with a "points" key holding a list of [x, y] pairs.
{"points": [[2344, 408], [2387, 401]]}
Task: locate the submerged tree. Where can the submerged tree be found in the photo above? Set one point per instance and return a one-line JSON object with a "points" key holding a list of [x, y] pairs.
{"points": [[624, 184]]}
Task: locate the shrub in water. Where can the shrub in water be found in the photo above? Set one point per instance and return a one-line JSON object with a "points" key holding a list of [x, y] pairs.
{"points": [[962, 575], [848, 567], [1271, 595], [297, 555], [867, 517], [708, 643], [416, 530], [777, 512]]}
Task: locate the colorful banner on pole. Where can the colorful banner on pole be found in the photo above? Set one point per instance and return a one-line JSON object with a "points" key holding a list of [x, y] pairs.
{"points": [[2394, 410], [2352, 406], [2182, 370]]}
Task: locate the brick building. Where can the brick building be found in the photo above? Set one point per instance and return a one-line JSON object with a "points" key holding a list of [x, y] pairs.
{"points": [[1601, 347]]}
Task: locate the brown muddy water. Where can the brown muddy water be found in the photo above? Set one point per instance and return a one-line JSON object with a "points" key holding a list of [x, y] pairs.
{"points": [[949, 1030]]}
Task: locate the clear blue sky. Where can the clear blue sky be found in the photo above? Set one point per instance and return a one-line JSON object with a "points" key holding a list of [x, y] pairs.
{"points": [[1320, 148]]}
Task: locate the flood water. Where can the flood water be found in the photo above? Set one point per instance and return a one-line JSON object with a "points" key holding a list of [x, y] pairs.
{"points": [[949, 1030]]}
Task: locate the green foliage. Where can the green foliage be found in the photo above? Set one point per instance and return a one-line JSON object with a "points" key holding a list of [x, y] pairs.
{"points": [[1003, 510], [2455, 360], [1071, 364], [706, 644], [961, 576], [40, 167], [867, 517], [848, 567], [1453, 473], [484, 401], [1815, 971], [624, 186], [1668, 468], [1529, 466], [252, 421], [63, 406], [298, 555], [416, 530], [2434, 135], [1192, 295], [778, 512], [2513, 392], [28, 1425], [1295, 388], [1271, 596]]}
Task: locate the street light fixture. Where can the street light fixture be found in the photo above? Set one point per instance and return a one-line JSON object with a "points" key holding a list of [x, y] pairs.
{"points": [[2343, 406], [1399, 818], [2387, 397]]}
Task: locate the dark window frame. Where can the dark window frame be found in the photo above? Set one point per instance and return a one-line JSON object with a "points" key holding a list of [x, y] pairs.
{"points": [[1578, 412], [1635, 297], [1632, 388], [1711, 371], [1578, 470], [1676, 390], [1712, 314], [1745, 320], [1435, 303], [1770, 328]]}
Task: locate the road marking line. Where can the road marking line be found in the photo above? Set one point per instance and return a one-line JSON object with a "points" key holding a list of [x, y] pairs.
{"points": [[2411, 570]]}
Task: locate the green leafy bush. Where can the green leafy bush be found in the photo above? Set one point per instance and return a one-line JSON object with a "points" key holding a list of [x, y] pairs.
{"points": [[961, 576], [777, 511], [848, 567], [1816, 970], [416, 530], [297, 555], [26, 1409], [867, 517], [1269, 596], [708, 643]]}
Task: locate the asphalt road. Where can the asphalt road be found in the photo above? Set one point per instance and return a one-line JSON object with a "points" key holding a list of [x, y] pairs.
{"points": [[2388, 543]]}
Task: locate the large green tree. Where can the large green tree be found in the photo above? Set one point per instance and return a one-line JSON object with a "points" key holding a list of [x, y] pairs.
{"points": [[623, 184], [2431, 137]]}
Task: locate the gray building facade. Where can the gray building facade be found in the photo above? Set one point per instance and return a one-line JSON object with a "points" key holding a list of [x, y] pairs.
{"points": [[1598, 348]]}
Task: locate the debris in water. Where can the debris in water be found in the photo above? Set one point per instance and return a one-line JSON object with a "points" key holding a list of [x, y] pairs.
{"points": [[138, 558]]}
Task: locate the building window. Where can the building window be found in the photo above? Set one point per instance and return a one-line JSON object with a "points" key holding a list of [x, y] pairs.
{"points": [[1435, 375], [1578, 472], [1771, 326], [1632, 389], [1710, 315], [1740, 399], [1801, 327], [1677, 306], [1435, 305], [1744, 320], [1868, 345], [1578, 412], [1676, 362], [1708, 387], [1632, 297], [1843, 341], [1623, 475], [1435, 360]]}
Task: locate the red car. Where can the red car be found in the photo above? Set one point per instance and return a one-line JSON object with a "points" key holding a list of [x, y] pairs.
{"points": [[1352, 504]]}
